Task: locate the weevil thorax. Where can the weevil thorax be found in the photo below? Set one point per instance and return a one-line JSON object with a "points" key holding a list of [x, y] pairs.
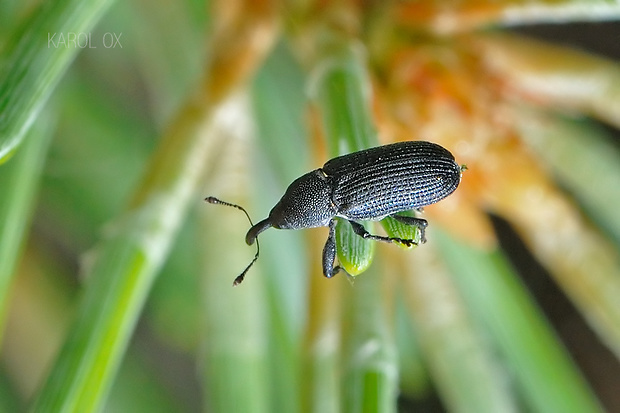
{"points": [[306, 203]]}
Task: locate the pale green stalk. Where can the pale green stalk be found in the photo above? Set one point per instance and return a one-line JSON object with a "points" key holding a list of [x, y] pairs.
{"points": [[280, 123], [336, 86], [234, 368], [124, 267], [371, 382], [171, 54], [34, 60], [466, 372], [584, 263], [543, 370], [42, 305], [8, 396], [414, 378], [321, 383], [585, 160], [342, 89], [18, 184], [137, 389], [458, 17], [560, 77]]}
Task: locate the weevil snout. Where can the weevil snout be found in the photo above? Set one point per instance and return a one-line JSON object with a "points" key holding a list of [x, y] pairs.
{"points": [[253, 232]]}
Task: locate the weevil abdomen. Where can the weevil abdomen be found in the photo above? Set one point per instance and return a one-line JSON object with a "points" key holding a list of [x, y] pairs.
{"points": [[377, 182]]}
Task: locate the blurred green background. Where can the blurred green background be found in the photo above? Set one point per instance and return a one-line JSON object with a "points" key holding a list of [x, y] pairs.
{"points": [[115, 276]]}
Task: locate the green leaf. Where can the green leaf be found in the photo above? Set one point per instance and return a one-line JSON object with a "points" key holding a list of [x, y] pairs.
{"points": [[234, 334], [355, 253], [370, 383], [34, 60], [18, 183], [342, 87], [562, 78], [543, 369], [397, 229], [584, 158], [124, 266], [452, 342]]}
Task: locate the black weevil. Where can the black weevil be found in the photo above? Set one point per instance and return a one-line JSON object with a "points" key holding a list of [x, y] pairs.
{"points": [[367, 185]]}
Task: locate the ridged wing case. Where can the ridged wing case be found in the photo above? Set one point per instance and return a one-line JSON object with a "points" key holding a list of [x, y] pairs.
{"points": [[374, 183]]}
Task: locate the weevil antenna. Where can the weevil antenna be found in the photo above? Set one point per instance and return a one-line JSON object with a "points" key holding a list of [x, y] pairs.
{"points": [[240, 277]]}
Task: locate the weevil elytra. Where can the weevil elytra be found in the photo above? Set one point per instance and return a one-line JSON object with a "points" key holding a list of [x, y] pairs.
{"points": [[368, 185]]}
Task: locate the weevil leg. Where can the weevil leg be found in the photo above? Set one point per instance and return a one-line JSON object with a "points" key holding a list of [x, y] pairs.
{"points": [[416, 222], [361, 231], [329, 252]]}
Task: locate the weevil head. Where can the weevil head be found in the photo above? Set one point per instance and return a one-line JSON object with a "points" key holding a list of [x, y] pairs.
{"points": [[305, 204]]}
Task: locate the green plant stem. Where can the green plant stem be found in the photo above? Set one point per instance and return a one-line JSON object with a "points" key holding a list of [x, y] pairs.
{"points": [[466, 16], [560, 77], [234, 362], [124, 266], [34, 61], [548, 378], [452, 344], [18, 182], [414, 376], [343, 93], [583, 157], [371, 381], [321, 389]]}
